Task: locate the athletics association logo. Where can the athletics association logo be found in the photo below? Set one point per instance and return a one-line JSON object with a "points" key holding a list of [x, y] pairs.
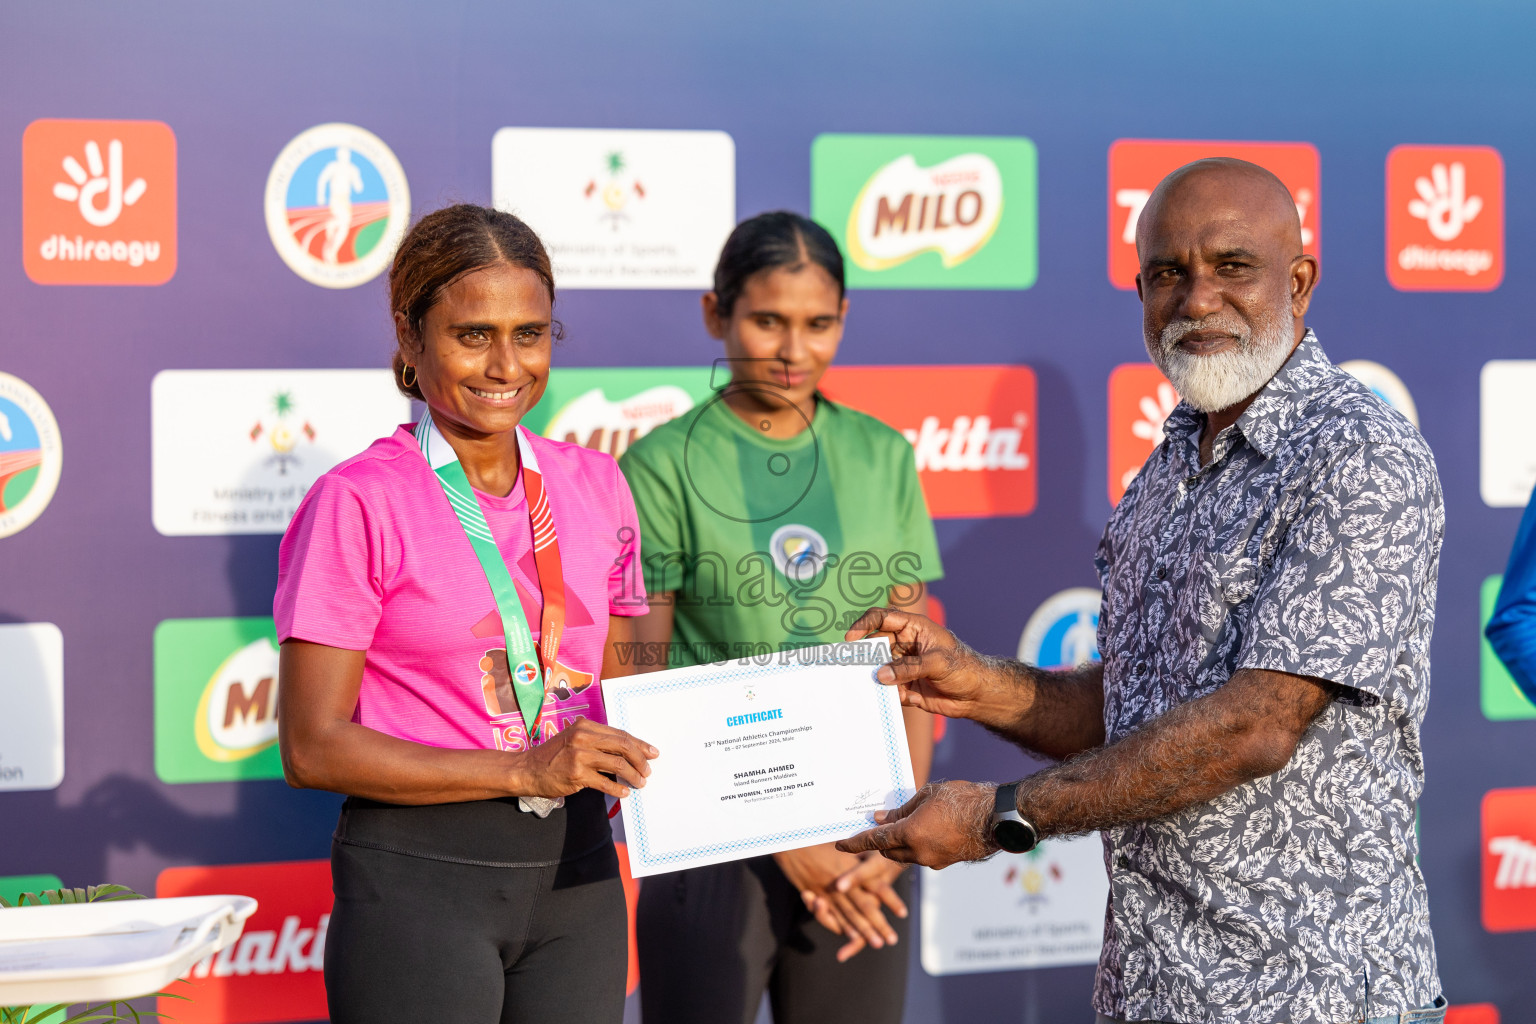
{"points": [[1385, 384], [98, 202], [1445, 218], [1509, 860], [1137, 165], [1064, 631], [929, 211], [274, 972], [798, 552], [31, 454], [337, 205], [972, 430], [1140, 399]]}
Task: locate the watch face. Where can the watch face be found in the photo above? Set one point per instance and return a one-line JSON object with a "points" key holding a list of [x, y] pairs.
{"points": [[1014, 836]]}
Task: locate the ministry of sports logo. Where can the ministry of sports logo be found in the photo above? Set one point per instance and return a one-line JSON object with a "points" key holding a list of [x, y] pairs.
{"points": [[31, 454], [337, 205], [1063, 632]]}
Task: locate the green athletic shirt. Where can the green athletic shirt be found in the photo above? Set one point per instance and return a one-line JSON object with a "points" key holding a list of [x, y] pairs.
{"points": [[773, 543]]}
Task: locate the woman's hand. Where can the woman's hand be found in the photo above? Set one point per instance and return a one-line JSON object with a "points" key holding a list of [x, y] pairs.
{"points": [[852, 911], [582, 756]]}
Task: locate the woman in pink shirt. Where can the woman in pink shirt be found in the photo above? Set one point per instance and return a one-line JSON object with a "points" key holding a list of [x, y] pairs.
{"points": [[448, 602]]}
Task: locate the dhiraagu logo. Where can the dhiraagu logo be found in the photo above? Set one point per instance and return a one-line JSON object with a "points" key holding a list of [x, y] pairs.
{"points": [[929, 211], [216, 700]]}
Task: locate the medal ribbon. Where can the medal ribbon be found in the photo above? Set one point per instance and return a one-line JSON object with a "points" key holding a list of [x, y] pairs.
{"points": [[527, 666]]}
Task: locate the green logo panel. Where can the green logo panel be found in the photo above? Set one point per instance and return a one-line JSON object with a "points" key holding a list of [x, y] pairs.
{"points": [[929, 211], [216, 700], [1503, 701], [609, 408], [13, 886]]}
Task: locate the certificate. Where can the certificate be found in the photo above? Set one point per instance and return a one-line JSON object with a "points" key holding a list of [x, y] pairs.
{"points": [[762, 754]]}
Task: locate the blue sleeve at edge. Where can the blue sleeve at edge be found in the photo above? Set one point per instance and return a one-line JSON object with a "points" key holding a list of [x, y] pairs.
{"points": [[1512, 629]]}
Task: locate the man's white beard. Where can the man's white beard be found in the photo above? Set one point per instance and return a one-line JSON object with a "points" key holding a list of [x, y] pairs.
{"points": [[1214, 382]]}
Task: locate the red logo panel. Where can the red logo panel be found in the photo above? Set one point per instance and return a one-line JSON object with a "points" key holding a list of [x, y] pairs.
{"points": [[972, 429], [98, 202], [1140, 399], [1445, 218], [273, 972], [1472, 1013], [1137, 165], [1509, 860]]}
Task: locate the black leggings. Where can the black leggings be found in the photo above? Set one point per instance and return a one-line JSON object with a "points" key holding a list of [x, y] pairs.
{"points": [[413, 940], [712, 939]]}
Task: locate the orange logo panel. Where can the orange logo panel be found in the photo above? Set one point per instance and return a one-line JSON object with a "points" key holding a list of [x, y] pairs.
{"points": [[1445, 218], [1137, 165], [273, 971], [972, 429], [1140, 399], [98, 202], [1509, 860], [1472, 1013]]}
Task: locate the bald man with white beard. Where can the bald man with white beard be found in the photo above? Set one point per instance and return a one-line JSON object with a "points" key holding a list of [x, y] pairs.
{"points": [[1249, 747]]}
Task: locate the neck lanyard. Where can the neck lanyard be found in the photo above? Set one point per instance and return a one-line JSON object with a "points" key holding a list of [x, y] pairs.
{"points": [[526, 665]]}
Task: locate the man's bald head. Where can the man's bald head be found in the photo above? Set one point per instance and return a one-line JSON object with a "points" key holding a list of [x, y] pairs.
{"points": [[1224, 283], [1220, 186]]}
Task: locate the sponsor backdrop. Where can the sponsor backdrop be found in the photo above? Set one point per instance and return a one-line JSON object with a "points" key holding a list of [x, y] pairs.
{"points": [[197, 203]]}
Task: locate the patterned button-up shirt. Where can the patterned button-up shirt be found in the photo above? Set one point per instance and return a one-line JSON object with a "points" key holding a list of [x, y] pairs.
{"points": [[1310, 544]]}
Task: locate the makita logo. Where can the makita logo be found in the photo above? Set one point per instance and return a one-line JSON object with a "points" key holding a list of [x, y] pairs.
{"points": [[275, 971], [294, 949], [972, 430], [1509, 860], [1517, 862], [968, 444]]}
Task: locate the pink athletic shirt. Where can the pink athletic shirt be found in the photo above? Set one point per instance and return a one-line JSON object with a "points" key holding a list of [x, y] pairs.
{"points": [[375, 560]]}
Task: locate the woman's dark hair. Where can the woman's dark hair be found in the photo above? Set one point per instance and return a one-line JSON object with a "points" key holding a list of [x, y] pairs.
{"points": [[770, 241], [447, 244]]}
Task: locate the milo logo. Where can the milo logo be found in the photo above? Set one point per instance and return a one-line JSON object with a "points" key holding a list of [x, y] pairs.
{"points": [[237, 713], [609, 408], [929, 211], [216, 688], [594, 421], [952, 208]]}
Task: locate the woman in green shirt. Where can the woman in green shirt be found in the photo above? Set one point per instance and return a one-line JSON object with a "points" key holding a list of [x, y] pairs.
{"points": [[770, 518]]}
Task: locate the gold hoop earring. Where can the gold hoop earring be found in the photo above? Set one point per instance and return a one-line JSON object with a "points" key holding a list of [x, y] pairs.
{"points": [[408, 369]]}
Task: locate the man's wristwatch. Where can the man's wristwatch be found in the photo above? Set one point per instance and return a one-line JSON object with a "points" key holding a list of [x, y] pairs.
{"points": [[1010, 829]]}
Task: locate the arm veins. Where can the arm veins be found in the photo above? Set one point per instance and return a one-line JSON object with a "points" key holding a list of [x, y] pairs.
{"points": [[1246, 729]]}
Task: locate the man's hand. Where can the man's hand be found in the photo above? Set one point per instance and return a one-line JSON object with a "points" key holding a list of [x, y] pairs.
{"points": [[852, 911], [945, 823], [931, 668]]}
